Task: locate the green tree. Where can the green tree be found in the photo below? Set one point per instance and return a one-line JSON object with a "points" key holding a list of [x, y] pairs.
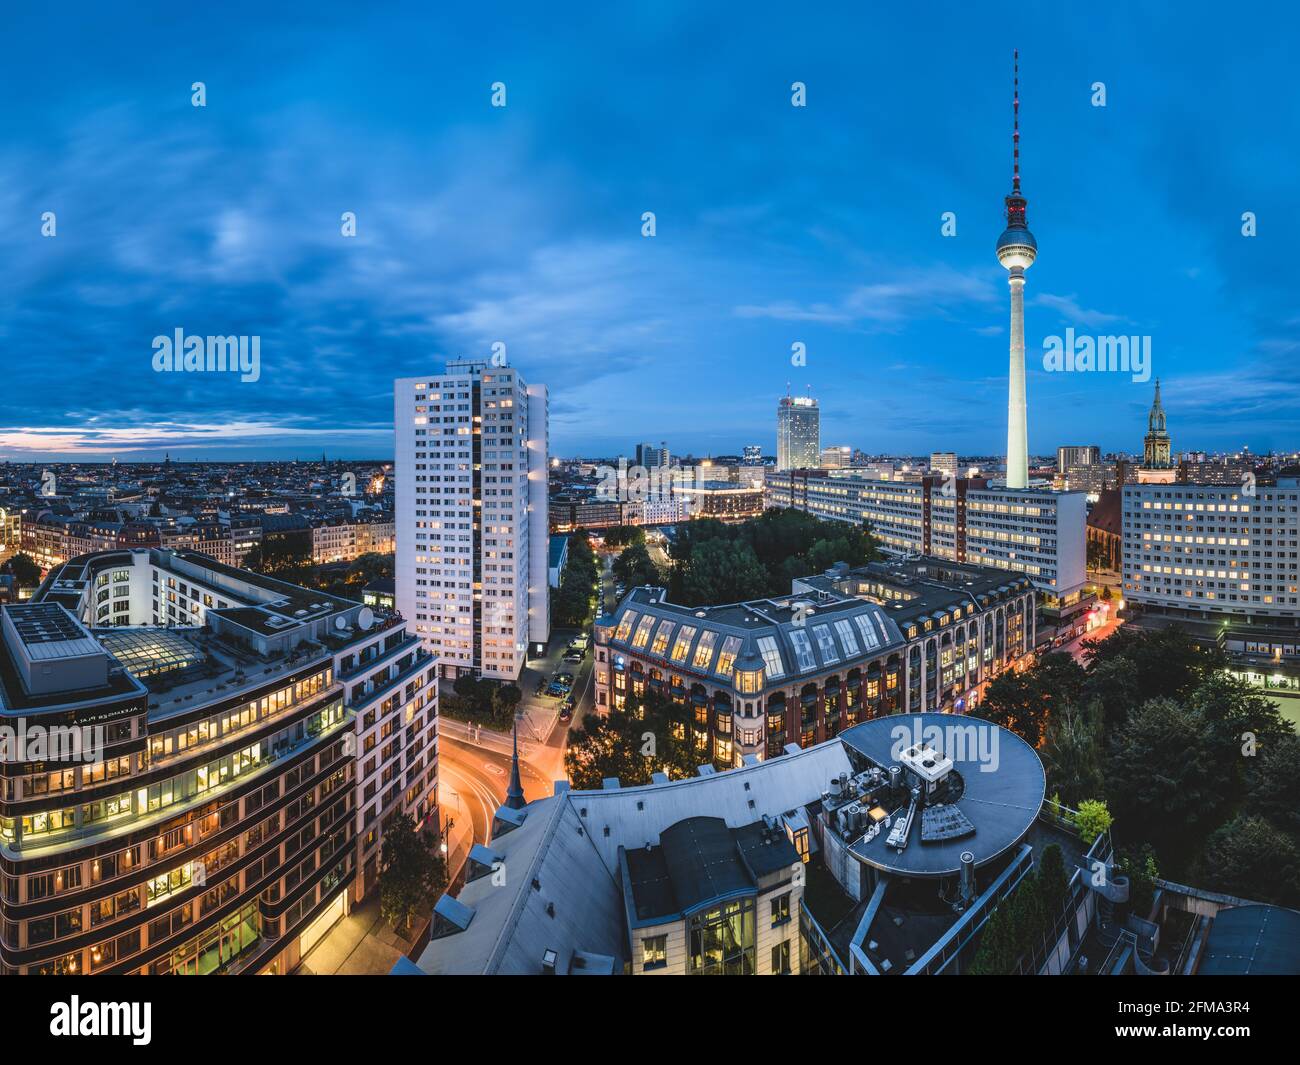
{"points": [[1053, 880], [622, 535], [995, 954], [572, 602], [1092, 819], [412, 872], [486, 702], [653, 735], [786, 543], [26, 573], [1072, 753], [723, 573], [635, 567], [1165, 773], [1249, 858], [1239, 715], [1166, 662], [1024, 701], [1273, 789], [1112, 685], [1140, 866]]}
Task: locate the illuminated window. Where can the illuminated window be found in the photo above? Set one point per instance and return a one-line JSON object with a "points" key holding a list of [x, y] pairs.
{"points": [[704, 649], [643, 632], [730, 648], [682, 645], [664, 631]]}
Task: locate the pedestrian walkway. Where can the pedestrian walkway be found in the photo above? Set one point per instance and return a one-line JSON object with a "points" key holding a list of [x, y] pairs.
{"points": [[361, 944]]}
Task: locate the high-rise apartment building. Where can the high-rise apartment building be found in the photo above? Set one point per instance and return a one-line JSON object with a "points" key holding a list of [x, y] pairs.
{"points": [[798, 433], [753, 455], [1068, 458], [1204, 551], [471, 516], [653, 457]]}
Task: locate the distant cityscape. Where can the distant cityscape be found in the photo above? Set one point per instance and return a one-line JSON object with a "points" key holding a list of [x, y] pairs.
{"points": [[479, 705]]}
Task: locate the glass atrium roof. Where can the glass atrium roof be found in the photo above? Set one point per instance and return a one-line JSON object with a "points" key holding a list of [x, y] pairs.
{"points": [[146, 652]]}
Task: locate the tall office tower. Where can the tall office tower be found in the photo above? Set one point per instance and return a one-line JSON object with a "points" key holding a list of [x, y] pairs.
{"points": [[798, 433], [1155, 445], [471, 469], [944, 462], [753, 455], [652, 457], [1016, 251], [1071, 457]]}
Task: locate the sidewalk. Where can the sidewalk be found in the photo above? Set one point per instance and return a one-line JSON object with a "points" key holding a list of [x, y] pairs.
{"points": [[547, 760], [361, 944]]}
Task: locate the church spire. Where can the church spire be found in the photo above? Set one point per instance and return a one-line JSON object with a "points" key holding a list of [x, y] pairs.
{"points": [[515, 792]]}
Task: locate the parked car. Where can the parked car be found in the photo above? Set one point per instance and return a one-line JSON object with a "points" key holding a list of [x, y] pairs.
{"points": [[573, 655], [564, 677], [555, 691], [566, 707]]}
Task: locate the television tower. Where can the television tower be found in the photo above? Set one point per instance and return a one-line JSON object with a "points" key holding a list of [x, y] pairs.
{"points": [[1017, 250]]}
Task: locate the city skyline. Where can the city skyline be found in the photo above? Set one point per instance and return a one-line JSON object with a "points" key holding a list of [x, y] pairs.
{"points": [[817, 225]]}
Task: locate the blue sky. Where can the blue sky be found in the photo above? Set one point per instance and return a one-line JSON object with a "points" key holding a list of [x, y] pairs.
{"points": [[775, 225]]}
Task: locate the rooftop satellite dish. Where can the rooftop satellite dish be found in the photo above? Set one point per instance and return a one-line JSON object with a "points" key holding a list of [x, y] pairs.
{"points": [[340, 622], [365, 618]]}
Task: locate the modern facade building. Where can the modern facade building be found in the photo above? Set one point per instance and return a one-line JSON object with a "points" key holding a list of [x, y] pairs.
{"points": [[471, 516], [1032, 531], [1071, 457], [237, 746], [836, 456], [568, 513], [753, 455], [717, 499], [944, 463], [1214, 551], [844, 646], [798, 433], [651, 457]]}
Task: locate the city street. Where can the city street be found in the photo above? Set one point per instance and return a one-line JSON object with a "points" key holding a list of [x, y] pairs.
{"points": [[1075, 647]]}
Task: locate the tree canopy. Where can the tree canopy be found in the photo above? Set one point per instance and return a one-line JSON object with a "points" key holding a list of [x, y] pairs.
{"points": [[652, 735], [718, 563], [412, 872], [1175, 747]]}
